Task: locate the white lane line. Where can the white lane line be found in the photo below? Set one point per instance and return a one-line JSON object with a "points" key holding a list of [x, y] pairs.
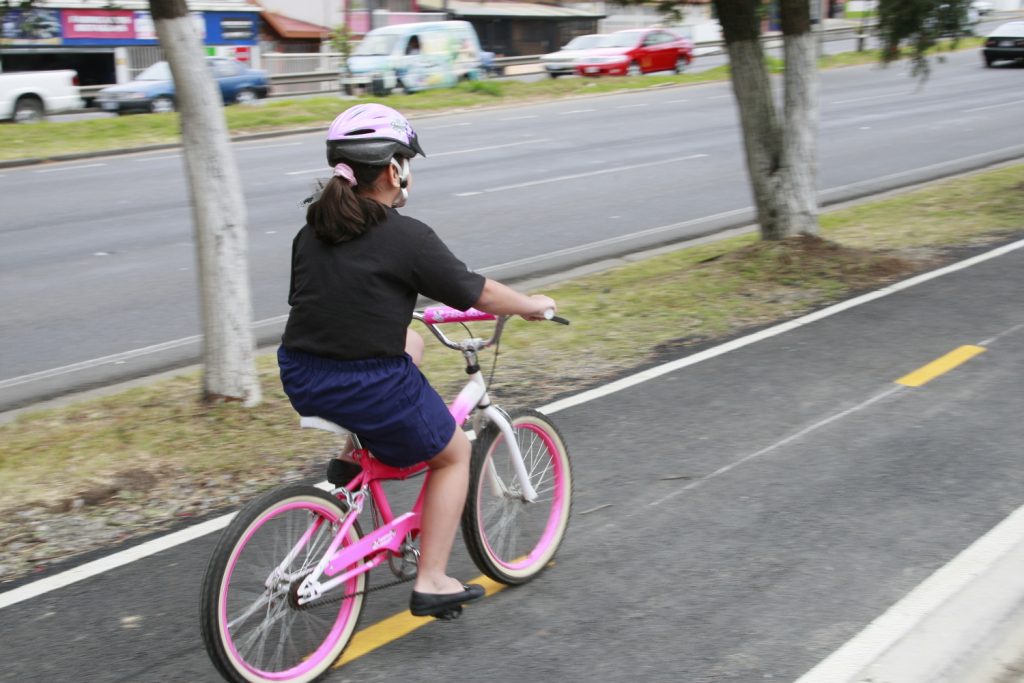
{"points": [[992, 340], [105, 564], [869, 98], [576, 176], [449, 125], [994, 106], [163, 158], [485, 149], [274, 146], [519, 118], [778, 444], [123, 557], [120, 357], [575, 111], [631, 106], [66, 168], [898, 621], [319, 169]]}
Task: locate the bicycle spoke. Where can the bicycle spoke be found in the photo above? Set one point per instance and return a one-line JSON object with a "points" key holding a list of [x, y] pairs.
{"points": [[509, 538], [244, 616], [507, 521], [259, 635], [286, 627]]}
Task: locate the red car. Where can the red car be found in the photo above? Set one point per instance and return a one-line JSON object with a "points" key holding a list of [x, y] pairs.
{"points": [[636, 51]]}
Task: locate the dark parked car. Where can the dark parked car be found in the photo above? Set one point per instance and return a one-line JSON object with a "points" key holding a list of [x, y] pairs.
{"points": [[153, 89], [1006, 42], [636, 51]]}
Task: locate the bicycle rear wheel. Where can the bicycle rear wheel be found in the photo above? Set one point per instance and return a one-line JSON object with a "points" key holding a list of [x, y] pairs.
{"points": [[252, 625], [512, 540]]}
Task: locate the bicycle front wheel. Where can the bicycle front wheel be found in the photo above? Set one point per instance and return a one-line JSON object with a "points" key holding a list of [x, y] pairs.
{"points": [[253, 626], [512, 540]]}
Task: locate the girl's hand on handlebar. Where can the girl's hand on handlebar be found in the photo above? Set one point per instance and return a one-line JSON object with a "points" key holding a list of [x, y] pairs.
{"points": [[540, 305]]}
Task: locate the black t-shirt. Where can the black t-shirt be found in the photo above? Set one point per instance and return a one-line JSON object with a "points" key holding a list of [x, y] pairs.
{"points": [[355, 299]]}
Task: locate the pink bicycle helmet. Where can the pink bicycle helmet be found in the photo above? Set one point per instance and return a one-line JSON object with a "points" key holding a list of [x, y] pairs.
{"points": [[370, 134]]}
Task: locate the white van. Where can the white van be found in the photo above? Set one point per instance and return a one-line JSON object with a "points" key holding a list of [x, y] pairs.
{"points": [[433, 54]]}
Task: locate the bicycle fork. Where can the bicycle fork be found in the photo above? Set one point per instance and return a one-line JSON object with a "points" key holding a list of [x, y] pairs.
{"points": [[474, 395]]}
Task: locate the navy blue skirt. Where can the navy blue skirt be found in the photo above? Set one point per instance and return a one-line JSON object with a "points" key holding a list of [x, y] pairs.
{"points": [[387, 402]]}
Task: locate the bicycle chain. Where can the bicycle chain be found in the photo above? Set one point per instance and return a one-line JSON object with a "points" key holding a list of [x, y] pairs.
{"points": [[338, 598]]}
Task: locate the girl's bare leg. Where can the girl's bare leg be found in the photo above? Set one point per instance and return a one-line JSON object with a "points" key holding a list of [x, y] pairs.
{"points": [[443, 501]]}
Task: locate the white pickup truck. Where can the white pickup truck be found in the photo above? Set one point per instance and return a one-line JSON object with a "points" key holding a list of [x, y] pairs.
{"points": [[27, 96]]}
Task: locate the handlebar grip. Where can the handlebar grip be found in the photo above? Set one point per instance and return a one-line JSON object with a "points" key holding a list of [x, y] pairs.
{"points": [[550, 315], [437, 315]]}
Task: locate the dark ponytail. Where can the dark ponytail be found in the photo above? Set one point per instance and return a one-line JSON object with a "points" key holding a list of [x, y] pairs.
{"points": [[341, 212]]}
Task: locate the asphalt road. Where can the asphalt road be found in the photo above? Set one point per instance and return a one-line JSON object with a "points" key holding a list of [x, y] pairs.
{"points": [[736, 519], [97, 262]]}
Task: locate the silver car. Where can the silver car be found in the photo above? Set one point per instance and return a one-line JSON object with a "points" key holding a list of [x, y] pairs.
{"points": [[562, 63]]}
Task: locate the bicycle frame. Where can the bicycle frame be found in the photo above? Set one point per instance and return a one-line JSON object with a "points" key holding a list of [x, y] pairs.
{"points": [[387, 539]]}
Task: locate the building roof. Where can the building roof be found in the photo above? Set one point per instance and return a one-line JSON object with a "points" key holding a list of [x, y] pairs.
{"points": [[286, 27], [500, 8]]}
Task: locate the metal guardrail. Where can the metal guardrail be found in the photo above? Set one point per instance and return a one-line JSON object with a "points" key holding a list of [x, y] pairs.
{"points": [[330, 78]]}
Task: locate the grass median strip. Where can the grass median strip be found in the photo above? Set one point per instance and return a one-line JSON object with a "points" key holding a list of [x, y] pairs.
{"points": [[101, 470]]}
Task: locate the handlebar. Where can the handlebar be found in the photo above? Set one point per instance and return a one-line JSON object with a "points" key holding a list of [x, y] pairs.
{"points": [[432, 316]]}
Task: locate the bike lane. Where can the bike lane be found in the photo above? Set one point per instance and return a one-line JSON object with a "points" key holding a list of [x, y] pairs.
{"points": [[737, 519]]}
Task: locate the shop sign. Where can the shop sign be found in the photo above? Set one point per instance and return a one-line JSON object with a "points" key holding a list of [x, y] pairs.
{"points": [[99, 24], [116, 27], [237, 29], [29, 27]]}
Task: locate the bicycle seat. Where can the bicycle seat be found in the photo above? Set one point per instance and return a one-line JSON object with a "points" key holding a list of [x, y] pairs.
{"points": [[320, 423]]}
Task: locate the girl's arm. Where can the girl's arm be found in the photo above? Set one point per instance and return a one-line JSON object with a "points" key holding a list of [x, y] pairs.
{"points": [[500, 299]]}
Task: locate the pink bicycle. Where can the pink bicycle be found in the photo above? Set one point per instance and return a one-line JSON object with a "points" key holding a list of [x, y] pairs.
{"points": [[287, 582]]}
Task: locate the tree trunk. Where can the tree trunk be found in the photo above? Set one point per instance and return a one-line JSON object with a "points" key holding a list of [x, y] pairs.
{"points": [[218, 210], [781, 154], [800, 136], [762, 136]]}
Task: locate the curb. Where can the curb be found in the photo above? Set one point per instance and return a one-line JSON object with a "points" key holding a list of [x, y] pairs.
{"points": [[963, 624]]}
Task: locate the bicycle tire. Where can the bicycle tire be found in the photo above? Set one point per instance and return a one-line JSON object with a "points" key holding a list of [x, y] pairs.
{"points": [[510, 540], [235, 590]]}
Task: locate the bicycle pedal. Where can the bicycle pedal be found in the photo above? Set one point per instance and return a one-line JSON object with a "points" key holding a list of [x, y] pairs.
{"points": [[450, 614]]}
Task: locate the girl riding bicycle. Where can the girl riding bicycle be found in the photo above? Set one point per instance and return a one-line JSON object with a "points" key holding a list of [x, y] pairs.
{"points": [[347, 354]]}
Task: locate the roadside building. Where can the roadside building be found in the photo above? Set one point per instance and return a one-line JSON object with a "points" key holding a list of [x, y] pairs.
{"points": [[512, 29], [106, 45], [284, 34]]}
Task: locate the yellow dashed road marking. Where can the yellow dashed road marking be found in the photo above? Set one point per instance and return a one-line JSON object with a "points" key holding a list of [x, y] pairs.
{"points": [[397, 626], [940, 366]]}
